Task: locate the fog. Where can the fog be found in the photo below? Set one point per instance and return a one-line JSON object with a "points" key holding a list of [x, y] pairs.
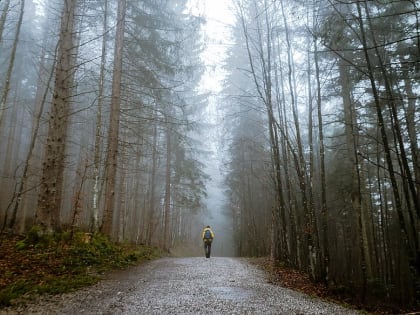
{"points": [[217, 31], [216, 216]]}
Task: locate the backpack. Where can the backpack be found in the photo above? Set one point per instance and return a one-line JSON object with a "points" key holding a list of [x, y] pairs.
{"points": [[207, 235]]}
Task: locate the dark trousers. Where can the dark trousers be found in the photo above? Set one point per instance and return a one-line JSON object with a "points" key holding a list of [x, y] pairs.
{"points": [[207, 248]]}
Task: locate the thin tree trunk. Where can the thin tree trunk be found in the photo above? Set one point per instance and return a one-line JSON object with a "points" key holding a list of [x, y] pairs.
{"points": [[279, 248], [152, 187], [98, 129], [300, 163], [352, 148], [8, 75], [3, 18], [280, 215], [40, 103], [410, 117], [167, 198], [324, 210], [10, 169], [411, 252], [122, 194], [77, 198], [315, 257], [293, 239], [396, 122]]}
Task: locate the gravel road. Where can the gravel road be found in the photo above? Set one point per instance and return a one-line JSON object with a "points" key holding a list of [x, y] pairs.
{"points": [[184, 286]]}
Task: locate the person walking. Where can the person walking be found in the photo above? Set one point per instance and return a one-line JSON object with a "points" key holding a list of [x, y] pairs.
{"points": [[207, 235]]}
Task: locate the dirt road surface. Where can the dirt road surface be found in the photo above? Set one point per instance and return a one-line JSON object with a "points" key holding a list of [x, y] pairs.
{"points": [[184, 286]]}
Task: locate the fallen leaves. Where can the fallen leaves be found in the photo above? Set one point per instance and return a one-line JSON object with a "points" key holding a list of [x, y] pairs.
{"points": [[300, 281]]}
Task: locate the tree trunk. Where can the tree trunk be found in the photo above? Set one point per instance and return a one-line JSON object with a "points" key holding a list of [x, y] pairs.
{"points": [[356, 196], [40, 101], [113, 132], [3, 18], [324, 210], [98, 128], [308, 230], [414, 253], [8, 75], [410, 250], [279, 248], [410, 117], [10, 173], [167, 198], [49, 199], [150, 217], [123, 207], [396, 123]]}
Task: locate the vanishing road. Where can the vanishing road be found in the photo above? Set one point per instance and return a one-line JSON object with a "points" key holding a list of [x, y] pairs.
{"points": [[185, 286]]}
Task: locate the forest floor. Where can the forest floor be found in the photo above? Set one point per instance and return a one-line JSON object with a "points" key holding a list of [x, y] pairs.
{"points": [[30, 267], [299, 281], [32, 270]]}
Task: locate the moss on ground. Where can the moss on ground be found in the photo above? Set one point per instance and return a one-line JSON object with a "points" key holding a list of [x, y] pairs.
{"points": [[51, 264]]}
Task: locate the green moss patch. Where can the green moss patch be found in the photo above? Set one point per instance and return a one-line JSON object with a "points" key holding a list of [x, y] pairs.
{"points": [[59, 263]]}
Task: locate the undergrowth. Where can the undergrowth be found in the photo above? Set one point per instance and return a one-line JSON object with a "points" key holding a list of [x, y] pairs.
{"points": [[59, 263]]}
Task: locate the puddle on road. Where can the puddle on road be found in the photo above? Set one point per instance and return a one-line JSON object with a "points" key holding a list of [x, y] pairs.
{"points": [[231, 293]]}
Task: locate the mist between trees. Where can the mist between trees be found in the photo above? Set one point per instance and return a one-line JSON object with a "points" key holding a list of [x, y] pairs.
{"points": [[102, 121]]}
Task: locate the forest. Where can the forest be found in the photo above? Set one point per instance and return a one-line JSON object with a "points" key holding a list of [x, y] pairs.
{"points": [[103, 123]]}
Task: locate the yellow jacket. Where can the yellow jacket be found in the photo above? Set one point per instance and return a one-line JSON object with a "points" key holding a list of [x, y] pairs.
{"points": [[204, 231]]}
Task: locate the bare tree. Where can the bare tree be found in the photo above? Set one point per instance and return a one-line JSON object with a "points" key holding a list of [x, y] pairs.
{"points": [[263, 86]]}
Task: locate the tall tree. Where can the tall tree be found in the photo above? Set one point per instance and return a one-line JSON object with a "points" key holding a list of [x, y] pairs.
{"points": [[168, 189], [114, 124], [42, 93], [261, 71], [49, 199], [98, 127]]}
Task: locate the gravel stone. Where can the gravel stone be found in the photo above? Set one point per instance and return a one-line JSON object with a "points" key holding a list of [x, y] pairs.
{"points": [[194, 285]]}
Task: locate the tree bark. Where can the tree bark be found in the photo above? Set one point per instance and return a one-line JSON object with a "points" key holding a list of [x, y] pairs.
{"points": [[49, 199], [114, 124]]}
